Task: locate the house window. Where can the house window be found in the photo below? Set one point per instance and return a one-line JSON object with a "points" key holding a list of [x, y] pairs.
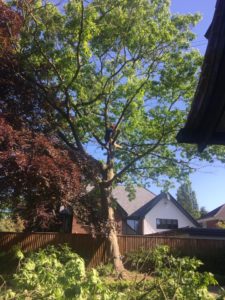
{"points": [[166, 223], [133, 224]]}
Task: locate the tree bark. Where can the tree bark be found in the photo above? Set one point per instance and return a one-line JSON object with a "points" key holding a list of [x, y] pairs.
{"points": [[112, 225], [114, 245]]}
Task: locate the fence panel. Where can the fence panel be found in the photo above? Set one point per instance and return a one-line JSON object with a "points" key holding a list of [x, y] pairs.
{"points": [[96, 250]]}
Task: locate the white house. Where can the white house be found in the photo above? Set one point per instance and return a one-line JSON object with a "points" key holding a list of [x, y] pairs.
{"points": [[159, 213]]}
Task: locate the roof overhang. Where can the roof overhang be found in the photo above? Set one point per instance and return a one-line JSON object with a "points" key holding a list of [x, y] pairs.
{"points": [[206, 121]]}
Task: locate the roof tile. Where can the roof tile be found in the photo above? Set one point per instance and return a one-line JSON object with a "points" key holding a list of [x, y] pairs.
{"points": [[142, 197]]}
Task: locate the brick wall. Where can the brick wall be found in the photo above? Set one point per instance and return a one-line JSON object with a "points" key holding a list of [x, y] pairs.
{"points": [[212, 224], [122, 227], [77, 227]]}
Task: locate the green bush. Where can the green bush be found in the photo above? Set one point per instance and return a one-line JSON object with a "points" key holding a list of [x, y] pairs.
{"points": [[56, 273], [143, 260], [8, 224], [105, 270], [178, 278], [173, 277]]}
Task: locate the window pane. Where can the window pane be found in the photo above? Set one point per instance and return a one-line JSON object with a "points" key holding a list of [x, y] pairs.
{"points": [[133, 224], [166, 223]]}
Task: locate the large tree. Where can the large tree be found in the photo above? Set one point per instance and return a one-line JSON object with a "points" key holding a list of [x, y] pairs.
{"points": [[187, 198], [114, 81]]}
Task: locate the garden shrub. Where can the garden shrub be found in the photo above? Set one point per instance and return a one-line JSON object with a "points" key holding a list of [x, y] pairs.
{"points": [[9, 224], [178, 278], [105, 270], [173, 277], [143, 260], [56, 273]]}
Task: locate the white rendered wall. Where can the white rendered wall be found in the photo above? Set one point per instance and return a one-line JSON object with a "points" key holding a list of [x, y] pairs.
{"points": [[165, 209]]}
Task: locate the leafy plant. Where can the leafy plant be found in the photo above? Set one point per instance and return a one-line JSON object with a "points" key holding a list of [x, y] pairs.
{"points": [[56, 273], [143, 260], [178, 278], [40, 177], [105, 270], [8, 224], [174, 277]]}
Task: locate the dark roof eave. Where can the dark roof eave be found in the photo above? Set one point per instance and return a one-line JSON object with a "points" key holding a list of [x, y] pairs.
{"points": [[209, 101], [191, 136]]}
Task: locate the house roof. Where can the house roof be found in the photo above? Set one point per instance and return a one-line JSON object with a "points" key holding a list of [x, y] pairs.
{"points": [[142, 211], [217, 213], [206, 121], [142, 197]]}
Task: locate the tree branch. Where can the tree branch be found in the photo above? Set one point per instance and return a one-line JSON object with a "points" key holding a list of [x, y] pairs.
{"points": [[132, 162], [78, 46]]}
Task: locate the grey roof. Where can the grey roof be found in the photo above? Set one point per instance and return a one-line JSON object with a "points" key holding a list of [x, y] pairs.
{"points": [[142, 197], [217, 213], [142, 211]]}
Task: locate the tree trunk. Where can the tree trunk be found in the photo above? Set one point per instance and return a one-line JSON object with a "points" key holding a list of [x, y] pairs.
{"points": [[114, 245], [112, 226]]}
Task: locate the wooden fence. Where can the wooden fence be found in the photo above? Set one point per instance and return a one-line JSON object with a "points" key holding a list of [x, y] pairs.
{"points": [[96, 250]]}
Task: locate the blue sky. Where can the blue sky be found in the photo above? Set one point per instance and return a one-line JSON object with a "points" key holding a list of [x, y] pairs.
{"points": [[209, 181], [206, 8]]}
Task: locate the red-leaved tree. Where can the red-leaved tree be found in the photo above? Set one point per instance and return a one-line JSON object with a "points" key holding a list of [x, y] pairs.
{"points": [[10, 24], [37, 175]]}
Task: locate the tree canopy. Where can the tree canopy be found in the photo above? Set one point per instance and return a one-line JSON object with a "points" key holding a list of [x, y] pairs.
{"points": [[124, 63], [203, 211]]}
